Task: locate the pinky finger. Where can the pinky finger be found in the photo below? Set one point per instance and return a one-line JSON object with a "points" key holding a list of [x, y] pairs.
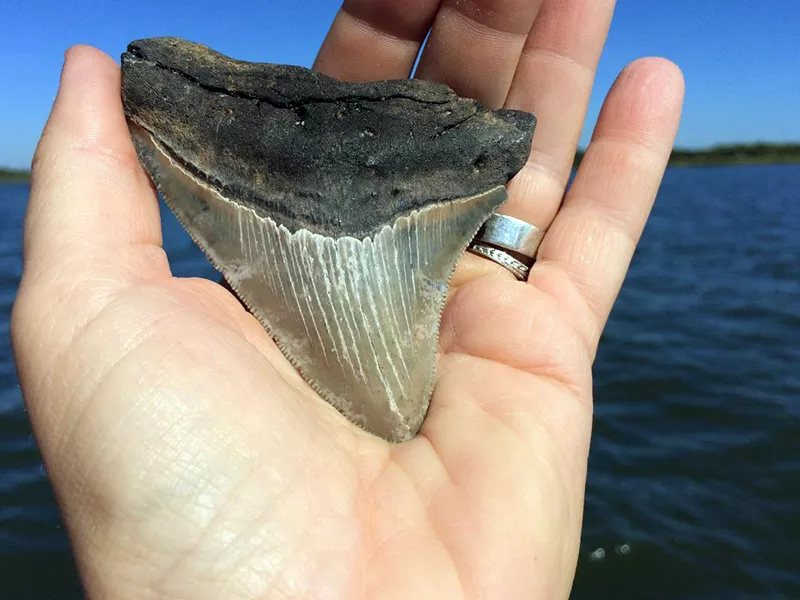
{"points": [[591, 242]]}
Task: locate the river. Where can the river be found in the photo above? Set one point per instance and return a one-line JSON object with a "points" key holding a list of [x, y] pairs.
{"points": [[694, 474]]}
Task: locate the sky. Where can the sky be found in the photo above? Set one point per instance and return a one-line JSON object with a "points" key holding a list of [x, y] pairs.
{"points": [[740, 58]]}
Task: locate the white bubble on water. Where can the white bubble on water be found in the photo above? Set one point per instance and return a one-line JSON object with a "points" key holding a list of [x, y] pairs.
{"points": [[597, 555]]}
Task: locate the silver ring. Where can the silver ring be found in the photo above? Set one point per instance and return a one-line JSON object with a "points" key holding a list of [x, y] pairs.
{"points": [[501, 257], [518, 237]]}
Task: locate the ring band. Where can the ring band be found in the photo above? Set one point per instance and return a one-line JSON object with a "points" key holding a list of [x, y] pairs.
{"points": [[514, 235], [501, 257]]}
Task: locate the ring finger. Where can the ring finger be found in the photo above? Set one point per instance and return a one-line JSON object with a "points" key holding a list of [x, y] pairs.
{"points": [[554, 80]]}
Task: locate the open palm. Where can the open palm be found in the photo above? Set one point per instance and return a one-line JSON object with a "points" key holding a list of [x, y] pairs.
{"points": [[189, 458]]}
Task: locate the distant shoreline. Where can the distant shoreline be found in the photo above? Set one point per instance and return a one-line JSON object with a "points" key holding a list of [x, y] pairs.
{"points": [[14, 175], [734, 154]]}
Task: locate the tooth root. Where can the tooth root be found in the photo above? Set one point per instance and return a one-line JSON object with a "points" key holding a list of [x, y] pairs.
{"points": [[359, 319]]}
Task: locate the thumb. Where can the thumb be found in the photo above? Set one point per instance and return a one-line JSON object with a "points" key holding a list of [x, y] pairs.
{"points": [[88, 193], [92, 226]]}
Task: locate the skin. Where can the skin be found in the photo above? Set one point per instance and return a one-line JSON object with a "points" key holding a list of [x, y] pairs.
{"points": [[189, 459]]}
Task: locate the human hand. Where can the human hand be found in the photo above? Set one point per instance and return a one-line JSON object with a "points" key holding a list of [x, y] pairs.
{"points": [[188, 457]]}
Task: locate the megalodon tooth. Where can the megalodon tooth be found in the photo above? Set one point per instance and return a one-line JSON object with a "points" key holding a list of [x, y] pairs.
{"points": [[335, 211]]}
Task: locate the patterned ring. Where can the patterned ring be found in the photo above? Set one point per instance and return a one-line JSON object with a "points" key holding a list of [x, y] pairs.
{"points": [[520, 270]]}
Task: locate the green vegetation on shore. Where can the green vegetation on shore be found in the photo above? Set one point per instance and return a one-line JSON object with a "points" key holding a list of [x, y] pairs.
{"points": [[14, 175], [738, 154], [735, 154]]}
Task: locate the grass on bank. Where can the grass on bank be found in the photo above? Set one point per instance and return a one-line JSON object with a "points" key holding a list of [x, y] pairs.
{"points": [[735, 154], [14, 175]]}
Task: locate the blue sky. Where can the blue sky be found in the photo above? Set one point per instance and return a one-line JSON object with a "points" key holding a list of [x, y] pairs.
{"points": [[741, 58]]}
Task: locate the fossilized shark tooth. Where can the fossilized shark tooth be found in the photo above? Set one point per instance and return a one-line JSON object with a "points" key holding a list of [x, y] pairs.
{"points": [[336, 211]]}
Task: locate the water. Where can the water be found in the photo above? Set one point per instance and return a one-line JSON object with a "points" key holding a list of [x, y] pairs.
{"points": [[694, 480]]}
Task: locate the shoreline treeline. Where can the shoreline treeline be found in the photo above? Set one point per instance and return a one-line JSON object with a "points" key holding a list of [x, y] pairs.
{"points": [[731, 154]]}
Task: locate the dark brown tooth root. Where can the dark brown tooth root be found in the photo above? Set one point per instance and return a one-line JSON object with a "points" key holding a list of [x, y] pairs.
{"points": [[337, 212]]}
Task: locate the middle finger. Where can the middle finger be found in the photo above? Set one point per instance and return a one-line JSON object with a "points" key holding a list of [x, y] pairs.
{"points": [[474, 46], [372, 40]]}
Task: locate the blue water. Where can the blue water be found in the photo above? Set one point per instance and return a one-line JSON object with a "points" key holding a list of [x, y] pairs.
{"points": [[694, 475]]}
